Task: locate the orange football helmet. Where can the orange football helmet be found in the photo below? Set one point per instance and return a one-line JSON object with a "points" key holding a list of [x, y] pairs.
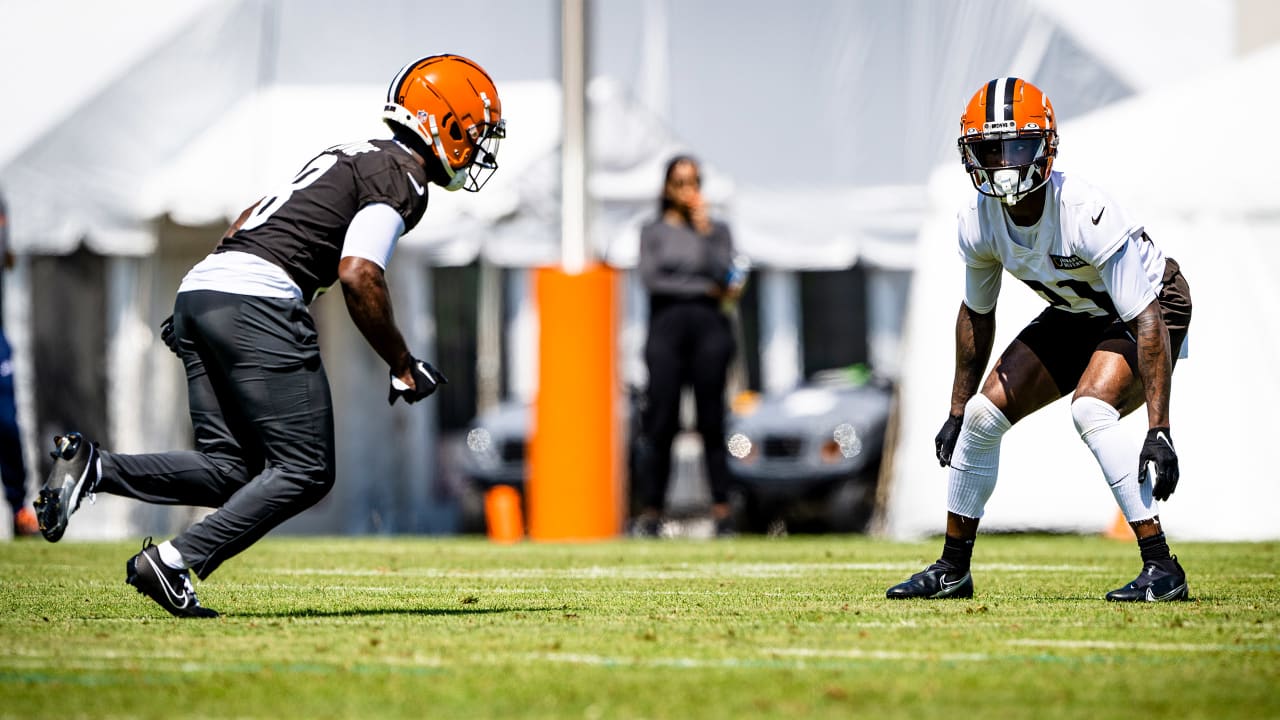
{"points": [[1008, 139], [452, 104]]}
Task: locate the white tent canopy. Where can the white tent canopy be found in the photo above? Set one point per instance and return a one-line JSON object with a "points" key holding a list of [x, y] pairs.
{"points": [[1220, 217], [108, 117], [75, 62]]}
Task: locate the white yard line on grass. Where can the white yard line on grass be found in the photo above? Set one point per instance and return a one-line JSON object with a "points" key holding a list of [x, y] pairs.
{"points": [[191, 663], [791, 657], [855, 654], [1142, 646], [663, 571]]}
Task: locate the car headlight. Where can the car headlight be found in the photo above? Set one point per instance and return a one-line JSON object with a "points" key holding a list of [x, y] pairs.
{"points": [[740, 447], [843, 445], [480, 443]]}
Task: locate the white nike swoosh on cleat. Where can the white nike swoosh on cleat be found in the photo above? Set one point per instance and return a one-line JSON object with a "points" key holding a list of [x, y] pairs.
{"points": [[180, 601], [1151, 597], [74, 497], [948, 588]]}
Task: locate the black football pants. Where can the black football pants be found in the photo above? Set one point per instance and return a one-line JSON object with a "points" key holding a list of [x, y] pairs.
{"points": [[263, 421], [690, 343]]}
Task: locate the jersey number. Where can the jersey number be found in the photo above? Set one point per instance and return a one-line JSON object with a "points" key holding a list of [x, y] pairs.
{"points": [[1079, 287], [270, 204]]}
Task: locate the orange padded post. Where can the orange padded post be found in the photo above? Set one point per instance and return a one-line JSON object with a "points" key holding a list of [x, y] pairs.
{"points": [[503, 515], [573, 483], [1119, 529]]}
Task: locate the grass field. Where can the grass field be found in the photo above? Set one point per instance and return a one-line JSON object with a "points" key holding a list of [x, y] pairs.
{"points": [[794, 627]]}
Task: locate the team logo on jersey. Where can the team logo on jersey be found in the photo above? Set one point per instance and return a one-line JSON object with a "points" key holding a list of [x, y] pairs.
{"points": [[1067, 262]]}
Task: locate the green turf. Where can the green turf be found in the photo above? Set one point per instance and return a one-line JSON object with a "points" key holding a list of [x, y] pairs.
{"points": [[795, 627]]}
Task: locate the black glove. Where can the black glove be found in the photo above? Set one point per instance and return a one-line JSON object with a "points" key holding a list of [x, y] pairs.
{"points": [[944, 443], [1159, 459], [425, 380], [166, 334]]}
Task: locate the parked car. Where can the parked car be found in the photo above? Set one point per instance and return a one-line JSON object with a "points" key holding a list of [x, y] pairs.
{"points": [[495, 449], [810, 457], [492, 453]]}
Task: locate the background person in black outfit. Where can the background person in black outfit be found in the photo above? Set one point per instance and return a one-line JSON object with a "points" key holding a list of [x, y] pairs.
{"points": [[685, 262], [259, 397]]}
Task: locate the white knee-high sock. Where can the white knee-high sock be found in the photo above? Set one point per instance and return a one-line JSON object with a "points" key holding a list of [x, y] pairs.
{"points": [[976, 459], [1099, 426]]}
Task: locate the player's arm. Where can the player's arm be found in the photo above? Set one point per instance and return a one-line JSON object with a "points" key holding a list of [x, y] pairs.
{"points": [[1155, 362], [975, 331], [1136, 303], [364, 288], [975, 336], [366, 250], [1134, 298]]}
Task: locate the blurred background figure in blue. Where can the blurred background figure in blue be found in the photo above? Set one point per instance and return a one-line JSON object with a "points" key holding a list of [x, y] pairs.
{"points": [[13, 471]]}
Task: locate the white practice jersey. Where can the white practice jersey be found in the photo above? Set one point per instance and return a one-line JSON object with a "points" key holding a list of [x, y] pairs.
{"points": [[1084, 256]]}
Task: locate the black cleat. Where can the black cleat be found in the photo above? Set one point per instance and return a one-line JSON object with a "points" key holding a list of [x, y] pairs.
{"points": [[171, 589], [74, 475], [1154, 584], [939, 580]]}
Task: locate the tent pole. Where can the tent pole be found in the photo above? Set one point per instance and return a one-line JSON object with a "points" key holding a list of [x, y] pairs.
{"points": [[573, 154]]}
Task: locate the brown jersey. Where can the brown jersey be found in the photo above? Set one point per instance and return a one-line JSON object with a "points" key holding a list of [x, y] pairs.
{"points": [[302, 226]]}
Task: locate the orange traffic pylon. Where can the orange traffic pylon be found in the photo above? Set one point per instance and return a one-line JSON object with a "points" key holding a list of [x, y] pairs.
{"points": [[1119, 529], [503, 515]]}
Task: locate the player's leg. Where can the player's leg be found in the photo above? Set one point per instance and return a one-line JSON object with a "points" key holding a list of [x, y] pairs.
{"points": [[1110, 389], [207, 476], [713, 351], [227, 450], [269, 350], [1031, 373]]}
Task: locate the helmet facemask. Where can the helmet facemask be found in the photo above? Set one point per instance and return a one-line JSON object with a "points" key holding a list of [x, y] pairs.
{"points": [[1010, 167], [479, 161]]}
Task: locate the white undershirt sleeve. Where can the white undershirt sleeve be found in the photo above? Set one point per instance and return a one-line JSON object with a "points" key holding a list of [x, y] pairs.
{"points": [[982, 287], [1126, 281], [373, 233]]}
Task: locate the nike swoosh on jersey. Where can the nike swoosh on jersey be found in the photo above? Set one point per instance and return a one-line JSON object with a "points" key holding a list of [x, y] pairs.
{"points": [[421, 190], [1099, 216]]}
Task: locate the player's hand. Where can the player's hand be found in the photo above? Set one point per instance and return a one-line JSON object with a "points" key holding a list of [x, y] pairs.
{"points": [[1159, 460], [167, 336], [944, 443], [425, 379]]}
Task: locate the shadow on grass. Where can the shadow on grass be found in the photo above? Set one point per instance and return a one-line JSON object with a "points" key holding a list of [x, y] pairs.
{"points": [[360, 612]]}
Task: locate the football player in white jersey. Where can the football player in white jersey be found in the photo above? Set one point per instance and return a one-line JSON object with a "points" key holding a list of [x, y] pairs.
{"points": [[1118, 311]]}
